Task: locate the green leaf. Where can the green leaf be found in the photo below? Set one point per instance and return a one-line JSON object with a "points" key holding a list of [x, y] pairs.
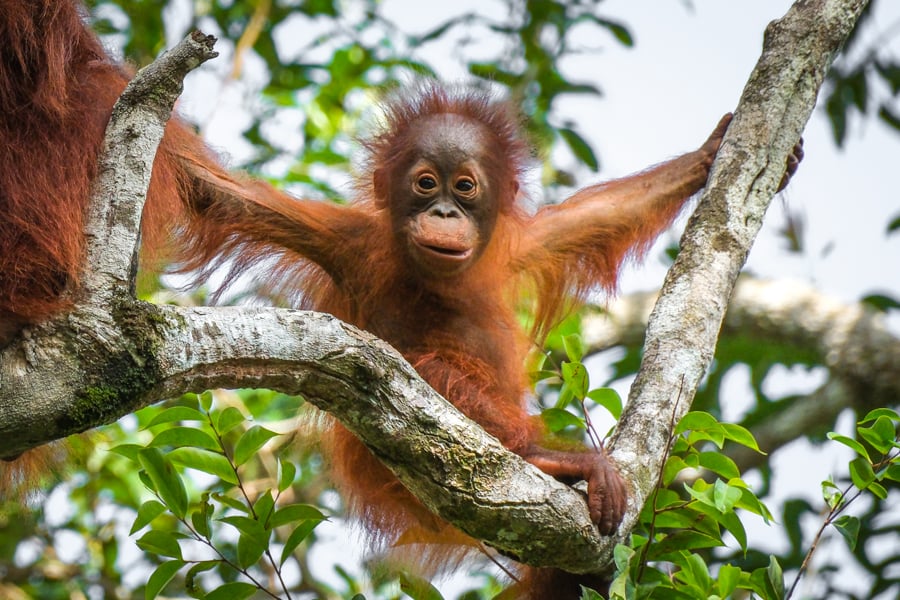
{"points": [[702, 426], [622, 587], [668, 547], [622, 556], [892, 472], [542, 375], [247, 526], [775, 578], [574, 347], [693, 517], [580, 148], [881, 412], [590, 594], [692, 459], [129, 451], [881, 434], [206, 400], [694, 572], [231, 502], [206, 461], [877, 490], [566, 396], [728, 579], [740, 435], [698, 421], [296, 512], [894, 225], [848, 526], [725, 496], [201, 517], [227, 420], [249, 550], [165, 480], [720, 464], [575, 379], [711, 435], [236, 590], [831, 493], [890, 72], [702, 492], [159, 542], [148, 511], [609, 399], [619, 31], [674, 465], [300, 533], [162, 575], [177, 414], [880, 301], [263, 506], [253, 539], [418, 588], [190, 578], [557, 419], [185, 436], [850, 443], [735, 527], [890, 117], [750, 502], [666, 498], [861, 472], [286, 475], [250, 442]]}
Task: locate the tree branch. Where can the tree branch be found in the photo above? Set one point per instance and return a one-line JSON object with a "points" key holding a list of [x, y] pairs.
{"points": [[135, 129], [113, 354], [682, 331]]}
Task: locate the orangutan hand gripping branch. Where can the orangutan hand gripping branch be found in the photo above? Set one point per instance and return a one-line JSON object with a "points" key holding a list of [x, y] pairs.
{"points": [[431, 256]]}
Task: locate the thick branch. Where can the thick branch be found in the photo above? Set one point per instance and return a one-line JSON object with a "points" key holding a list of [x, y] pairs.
{"points": [[112, 354], [146, 353], [852, 340], [135, 129], [683, 329]]}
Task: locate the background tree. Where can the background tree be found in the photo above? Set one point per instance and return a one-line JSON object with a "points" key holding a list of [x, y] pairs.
{"points": [[326, 89]]}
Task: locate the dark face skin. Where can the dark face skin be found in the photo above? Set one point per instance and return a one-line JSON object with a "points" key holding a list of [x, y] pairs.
{"points": [[443, 204]]}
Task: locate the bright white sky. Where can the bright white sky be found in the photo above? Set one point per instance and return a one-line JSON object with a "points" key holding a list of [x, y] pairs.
{"points": [[662, 98]]}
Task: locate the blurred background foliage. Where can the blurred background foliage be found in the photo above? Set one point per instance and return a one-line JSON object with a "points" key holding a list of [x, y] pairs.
{"points": [[73, 541]]}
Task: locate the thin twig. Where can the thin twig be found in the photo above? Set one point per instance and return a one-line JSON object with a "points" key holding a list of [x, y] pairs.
{"points": [[651, 528]]}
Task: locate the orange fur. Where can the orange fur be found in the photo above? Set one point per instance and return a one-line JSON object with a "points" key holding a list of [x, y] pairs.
{"points": [[461, 332], [57, 89]]}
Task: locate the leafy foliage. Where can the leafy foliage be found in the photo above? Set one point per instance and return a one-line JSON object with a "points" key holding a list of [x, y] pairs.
{"points": [[865, 81], [219, 443], [669, 556]]}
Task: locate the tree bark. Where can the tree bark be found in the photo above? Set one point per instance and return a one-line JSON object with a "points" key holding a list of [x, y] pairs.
{"points": [[684, 326]]}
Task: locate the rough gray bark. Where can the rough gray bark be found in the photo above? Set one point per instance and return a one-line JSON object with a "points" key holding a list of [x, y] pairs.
{"points": [[682, 331], [113, 354]]}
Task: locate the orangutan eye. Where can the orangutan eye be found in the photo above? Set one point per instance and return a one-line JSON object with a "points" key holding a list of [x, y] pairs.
{"points": [[426, 183], [466, 185]]}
